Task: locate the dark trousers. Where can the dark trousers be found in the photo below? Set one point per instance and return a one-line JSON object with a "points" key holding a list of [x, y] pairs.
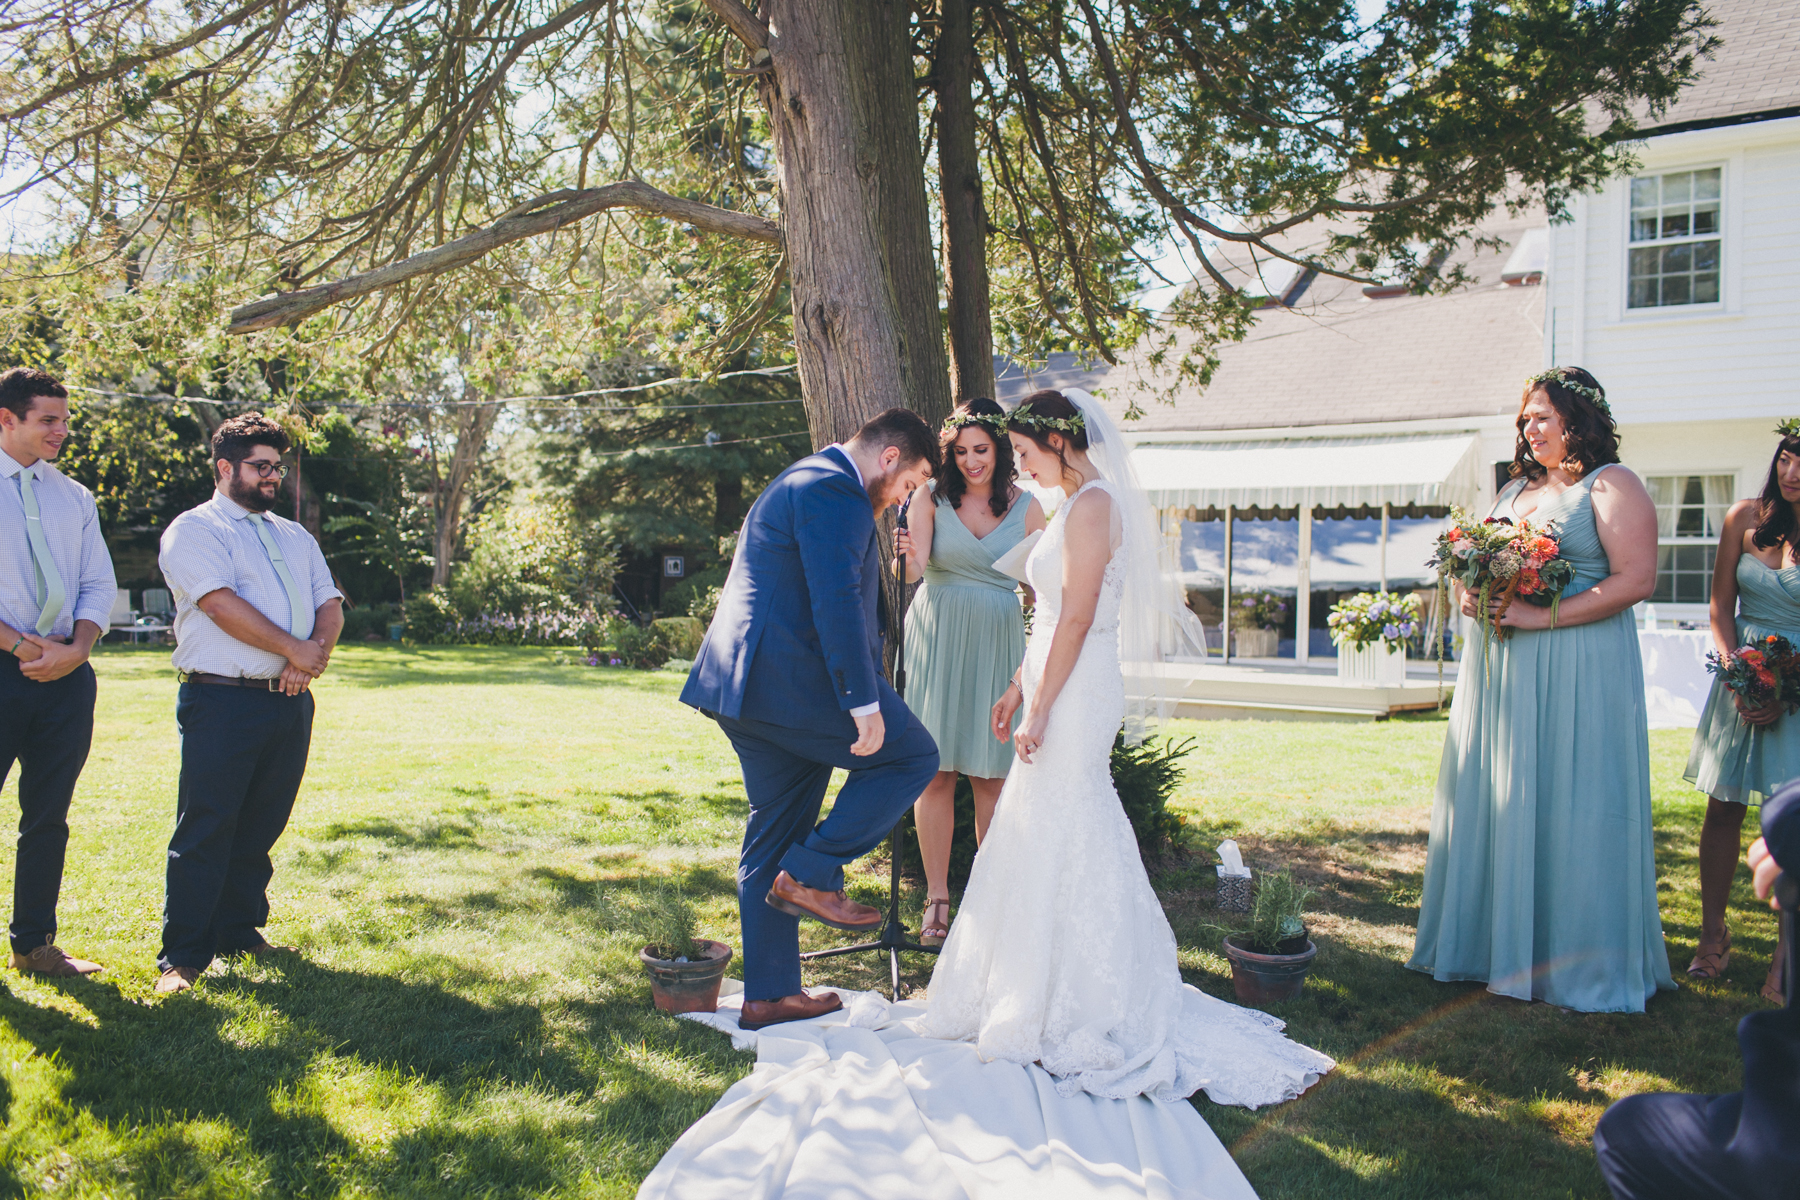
{"points": [[785, 774], [47, 729], [243, 753], [1741, 1146]]}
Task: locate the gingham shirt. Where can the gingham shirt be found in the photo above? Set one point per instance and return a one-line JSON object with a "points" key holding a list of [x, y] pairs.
{"points": [[216, 546], [72, 528]]}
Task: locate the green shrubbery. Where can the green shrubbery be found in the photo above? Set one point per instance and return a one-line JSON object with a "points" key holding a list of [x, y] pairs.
{"points": [[536, 577]]}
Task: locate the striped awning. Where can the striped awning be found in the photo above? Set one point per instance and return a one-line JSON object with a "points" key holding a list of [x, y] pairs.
{"points": [[1427, 469]]}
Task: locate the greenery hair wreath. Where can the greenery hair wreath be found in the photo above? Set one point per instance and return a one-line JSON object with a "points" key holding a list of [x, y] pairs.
{"points": [[1023, 415], [1561, 377], [994, 423], [1788, 428]]}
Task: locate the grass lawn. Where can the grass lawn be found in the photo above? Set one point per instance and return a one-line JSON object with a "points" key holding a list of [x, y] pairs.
{"points": [[461, 1021]]}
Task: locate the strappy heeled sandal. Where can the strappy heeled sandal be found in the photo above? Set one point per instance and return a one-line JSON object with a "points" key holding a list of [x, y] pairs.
{"points": [[935, 924], [1713, 963]]}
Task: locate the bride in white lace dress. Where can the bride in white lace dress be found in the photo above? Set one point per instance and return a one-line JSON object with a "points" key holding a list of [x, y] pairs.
{"points": [[1060, 953]]}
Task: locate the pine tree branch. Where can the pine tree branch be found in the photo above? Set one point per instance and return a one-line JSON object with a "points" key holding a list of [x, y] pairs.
{"points": [[543, 215]]}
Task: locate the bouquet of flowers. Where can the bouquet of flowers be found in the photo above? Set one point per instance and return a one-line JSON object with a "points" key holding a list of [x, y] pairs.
{"points": [[1760, 672], [1370, 617], [1500, 561]]}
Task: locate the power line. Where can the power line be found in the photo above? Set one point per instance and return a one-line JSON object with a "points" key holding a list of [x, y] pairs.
{"points": [[765, 372], [314, 458]]}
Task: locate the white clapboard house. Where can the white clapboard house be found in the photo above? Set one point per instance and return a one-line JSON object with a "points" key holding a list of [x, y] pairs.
{"points": [[1326, 451]]}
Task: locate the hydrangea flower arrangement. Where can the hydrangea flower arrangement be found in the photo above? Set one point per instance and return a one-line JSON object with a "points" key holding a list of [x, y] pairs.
{"points": [[1366, 618], [1259, 610]]}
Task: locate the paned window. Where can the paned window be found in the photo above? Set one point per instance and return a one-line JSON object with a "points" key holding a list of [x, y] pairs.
{"points": [[1675, 239], [1690, 512]]}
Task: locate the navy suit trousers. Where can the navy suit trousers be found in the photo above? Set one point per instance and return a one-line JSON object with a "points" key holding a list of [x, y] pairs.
{"points": [[786, 771], [243, 753], [1741, 1146], [47, 729]]}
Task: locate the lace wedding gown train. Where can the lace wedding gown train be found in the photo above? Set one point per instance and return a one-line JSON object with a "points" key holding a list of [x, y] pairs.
{"points": [[1060, 953]]}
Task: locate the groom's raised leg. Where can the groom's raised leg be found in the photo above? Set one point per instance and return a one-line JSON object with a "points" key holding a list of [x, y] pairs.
{"points": [[880, 789], [785, 792]]}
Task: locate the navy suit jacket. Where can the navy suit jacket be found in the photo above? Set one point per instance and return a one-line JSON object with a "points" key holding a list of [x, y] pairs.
{"points": [[796, 640]]}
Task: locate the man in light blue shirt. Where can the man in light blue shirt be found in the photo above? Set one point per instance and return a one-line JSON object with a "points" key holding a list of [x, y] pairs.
{"points": [[256, 617], [56, 598]]}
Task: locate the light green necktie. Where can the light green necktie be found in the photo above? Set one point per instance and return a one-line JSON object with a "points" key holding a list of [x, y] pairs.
{"points": [[50, 592], [296, 607]]}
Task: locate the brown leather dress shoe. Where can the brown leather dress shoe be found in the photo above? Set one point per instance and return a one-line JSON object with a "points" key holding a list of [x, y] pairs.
{"points": [[758, 1013], [50, 959], [828, 908], [177, 979]]}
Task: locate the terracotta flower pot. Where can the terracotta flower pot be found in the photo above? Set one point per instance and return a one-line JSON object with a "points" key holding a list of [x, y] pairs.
{"points": [[684, 987], [1266, 978]]}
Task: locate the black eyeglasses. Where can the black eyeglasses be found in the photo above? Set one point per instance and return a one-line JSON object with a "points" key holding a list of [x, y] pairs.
{"points": [[266, 469]]}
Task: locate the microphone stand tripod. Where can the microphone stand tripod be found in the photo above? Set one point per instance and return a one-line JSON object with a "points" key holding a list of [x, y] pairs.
{"points": [[893, 934]]}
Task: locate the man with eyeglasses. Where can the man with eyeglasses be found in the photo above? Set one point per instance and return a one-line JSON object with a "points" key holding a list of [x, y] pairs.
{"points": [[256, 616], [56, 598]]}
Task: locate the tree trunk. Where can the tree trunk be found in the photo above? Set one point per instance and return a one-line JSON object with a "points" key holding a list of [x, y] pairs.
{"points": [[728, 502], [474, 423], [842, 105], [965, 216]]}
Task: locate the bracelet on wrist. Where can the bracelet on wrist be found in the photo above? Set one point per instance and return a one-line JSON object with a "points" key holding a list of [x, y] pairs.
{"points": [[15, 646]]}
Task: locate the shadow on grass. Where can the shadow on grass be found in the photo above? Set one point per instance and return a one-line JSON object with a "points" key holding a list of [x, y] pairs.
{"points": [[275, 1073]]}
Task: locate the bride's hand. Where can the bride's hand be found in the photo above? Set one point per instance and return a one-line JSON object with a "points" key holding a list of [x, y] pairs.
{"points": [[1000, 717], [1029, 740]]}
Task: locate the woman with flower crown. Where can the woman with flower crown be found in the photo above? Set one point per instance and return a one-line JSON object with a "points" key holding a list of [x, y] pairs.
{"points": [[1061, 954], [1540, 877], [1741, 755], [965, 632]]}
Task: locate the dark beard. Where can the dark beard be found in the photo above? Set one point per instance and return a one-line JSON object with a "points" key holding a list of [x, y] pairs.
{"points": [[248, 496]]}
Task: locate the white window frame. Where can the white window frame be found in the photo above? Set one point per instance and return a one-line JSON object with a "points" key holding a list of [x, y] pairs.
{"points": [[1687, 610], [1729, 225]]}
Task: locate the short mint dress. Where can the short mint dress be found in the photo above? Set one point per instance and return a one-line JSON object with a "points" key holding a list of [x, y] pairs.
{"points": [[965, 636], [1732, 760], [1540, 878]]}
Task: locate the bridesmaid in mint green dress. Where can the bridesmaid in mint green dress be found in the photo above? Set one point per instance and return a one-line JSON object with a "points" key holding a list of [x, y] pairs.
{"points": [[1540, 878], [1741, 755], [965, 633]]}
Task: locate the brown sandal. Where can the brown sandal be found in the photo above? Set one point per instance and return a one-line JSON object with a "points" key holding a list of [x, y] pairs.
{"points": [[1712, 963], [935, 923]]}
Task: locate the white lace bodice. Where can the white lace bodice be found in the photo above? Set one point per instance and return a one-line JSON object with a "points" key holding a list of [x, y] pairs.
{"points": [[1044, 569]]}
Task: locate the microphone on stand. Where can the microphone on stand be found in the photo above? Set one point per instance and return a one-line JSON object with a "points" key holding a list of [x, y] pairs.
{"points": [[900, 617]]}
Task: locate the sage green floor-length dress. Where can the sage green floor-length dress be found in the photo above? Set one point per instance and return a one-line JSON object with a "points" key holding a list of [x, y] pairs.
{"points": [[1736, 762], [965, 636], [1540, 878]]}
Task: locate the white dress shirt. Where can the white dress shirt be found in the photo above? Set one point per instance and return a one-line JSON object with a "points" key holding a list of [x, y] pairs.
{"points": [[861, 710], [216, 546], [72, 529]]}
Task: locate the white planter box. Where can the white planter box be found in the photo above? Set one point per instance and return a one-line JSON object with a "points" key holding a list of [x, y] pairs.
{"points": [[1372, 666], [1256, 643]]}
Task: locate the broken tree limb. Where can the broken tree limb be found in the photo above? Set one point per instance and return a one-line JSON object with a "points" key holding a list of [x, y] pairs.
{"points": [[543, 215]]}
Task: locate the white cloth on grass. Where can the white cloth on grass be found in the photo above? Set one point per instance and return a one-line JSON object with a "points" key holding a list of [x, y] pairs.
{"points": [[858, 1104]]}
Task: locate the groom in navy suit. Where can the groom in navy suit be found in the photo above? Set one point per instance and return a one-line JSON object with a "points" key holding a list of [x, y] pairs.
{"points": [[791, 671]]}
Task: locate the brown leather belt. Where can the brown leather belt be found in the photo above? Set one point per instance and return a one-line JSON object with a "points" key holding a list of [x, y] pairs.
{"points": [[261, 685]]}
